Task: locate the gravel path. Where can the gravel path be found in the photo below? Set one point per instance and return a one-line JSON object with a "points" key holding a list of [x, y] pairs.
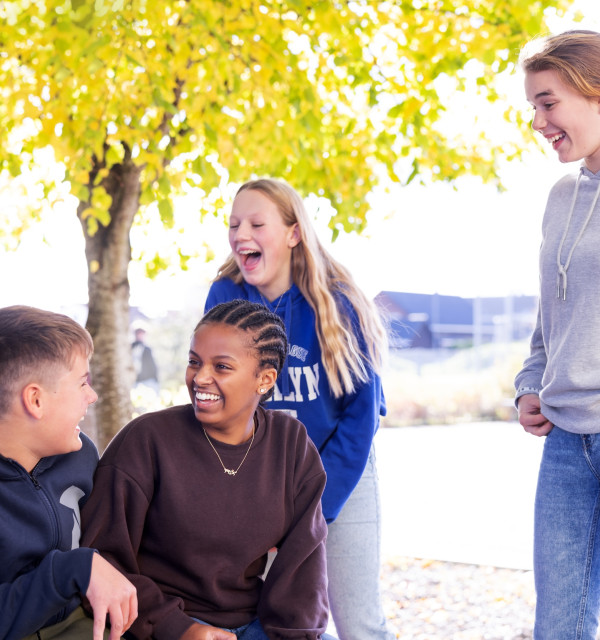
{"points": [[433, 600]]}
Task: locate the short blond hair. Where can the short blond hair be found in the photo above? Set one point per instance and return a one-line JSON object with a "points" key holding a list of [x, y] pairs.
{"points": [[573, 55], [34, 343]]}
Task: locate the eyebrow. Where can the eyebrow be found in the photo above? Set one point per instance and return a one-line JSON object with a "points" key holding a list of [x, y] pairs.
{"points": [[542, 94], [217, 357], [252, 214]]}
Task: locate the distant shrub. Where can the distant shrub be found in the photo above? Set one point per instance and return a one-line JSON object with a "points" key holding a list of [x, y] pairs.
{"points": [[444, 387]]}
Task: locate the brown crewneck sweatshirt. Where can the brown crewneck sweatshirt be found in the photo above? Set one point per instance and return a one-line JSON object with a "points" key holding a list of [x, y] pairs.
{"points": [[194, 540]]}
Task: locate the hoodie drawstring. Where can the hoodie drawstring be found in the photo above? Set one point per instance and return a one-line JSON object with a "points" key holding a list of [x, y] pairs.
{"points": [[562, 268]]}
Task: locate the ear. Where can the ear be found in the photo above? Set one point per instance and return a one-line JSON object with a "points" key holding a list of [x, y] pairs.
{"points": [[293, 236], [32, 400], [266, 380]]}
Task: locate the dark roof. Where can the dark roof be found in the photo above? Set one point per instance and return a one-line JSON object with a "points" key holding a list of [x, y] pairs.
{"points": [[421, 319], [438, 308]]}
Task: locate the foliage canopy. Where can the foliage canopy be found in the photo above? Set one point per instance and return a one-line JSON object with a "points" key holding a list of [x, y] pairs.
{"points": [[325, 94], [143, 99]]}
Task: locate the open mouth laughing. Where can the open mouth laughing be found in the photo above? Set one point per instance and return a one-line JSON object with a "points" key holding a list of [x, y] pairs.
{"points": [[249, 257]]}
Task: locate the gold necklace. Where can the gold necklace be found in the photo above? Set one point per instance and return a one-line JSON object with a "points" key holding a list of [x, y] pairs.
{"points": [[232, 472], [278, 301]]}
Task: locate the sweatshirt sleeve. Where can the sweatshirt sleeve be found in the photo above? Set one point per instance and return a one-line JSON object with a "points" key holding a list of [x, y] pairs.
{"points": [[346, 453], [529, 379], [35, 597], [293, 603], [113, 522]]}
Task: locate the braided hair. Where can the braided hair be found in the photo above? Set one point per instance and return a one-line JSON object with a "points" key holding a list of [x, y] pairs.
{"points": [[266, 328]]}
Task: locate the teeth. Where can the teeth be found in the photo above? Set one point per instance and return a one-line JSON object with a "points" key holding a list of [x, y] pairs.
{"points": [[206, 396], [555, 138], [246, 252]]}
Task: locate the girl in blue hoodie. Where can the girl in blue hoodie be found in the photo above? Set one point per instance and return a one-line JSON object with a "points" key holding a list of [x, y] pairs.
{"points": [[331, 380], [558, 389]]}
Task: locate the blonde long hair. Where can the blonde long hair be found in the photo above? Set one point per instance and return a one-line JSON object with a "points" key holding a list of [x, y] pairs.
{"points": [[321, 279]]}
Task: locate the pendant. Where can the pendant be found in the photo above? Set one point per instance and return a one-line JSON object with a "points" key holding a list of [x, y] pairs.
{"points": [[230, 472]]}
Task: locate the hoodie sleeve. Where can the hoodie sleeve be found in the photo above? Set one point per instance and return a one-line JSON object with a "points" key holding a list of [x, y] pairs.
{"points": [[346, 453], [293, 603], [34, 598], [529, 379]]}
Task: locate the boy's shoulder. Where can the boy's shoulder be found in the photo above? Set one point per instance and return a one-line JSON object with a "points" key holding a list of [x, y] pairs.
{"points": [[84, 458]]}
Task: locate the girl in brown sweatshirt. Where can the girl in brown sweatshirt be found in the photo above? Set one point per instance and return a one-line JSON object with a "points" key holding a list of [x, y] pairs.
{"points": [[188, 501]]}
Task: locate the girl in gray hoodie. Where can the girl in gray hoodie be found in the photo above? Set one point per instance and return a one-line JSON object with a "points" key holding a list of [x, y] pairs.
{"points": [[558, 389]]}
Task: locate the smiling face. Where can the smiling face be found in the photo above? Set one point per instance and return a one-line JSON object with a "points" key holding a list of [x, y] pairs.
{"points": [[569, 121], [64, 401], [224, 381], [261, 243]]}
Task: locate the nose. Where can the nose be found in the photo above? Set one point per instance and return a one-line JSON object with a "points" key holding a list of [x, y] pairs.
{"points": [[202, 376], [539, 120], [93, 396], [242, 232]]}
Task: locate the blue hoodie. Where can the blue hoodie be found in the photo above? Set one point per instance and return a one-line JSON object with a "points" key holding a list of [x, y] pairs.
{"points": [[42, 570], [341, 428]]}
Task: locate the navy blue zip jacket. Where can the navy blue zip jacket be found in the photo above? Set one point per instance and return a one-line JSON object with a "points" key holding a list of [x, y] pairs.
{"points": [[342, 429], [42, 570]]}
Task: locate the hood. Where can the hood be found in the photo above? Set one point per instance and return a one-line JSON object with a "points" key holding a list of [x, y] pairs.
{"points": [[283, 307]]}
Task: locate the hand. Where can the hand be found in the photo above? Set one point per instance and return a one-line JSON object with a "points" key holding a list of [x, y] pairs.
{"points": [[206, 632], [531, 417], [109, 592]]}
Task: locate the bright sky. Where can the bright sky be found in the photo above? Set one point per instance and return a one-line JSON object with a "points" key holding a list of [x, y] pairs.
{"points": [[465, 241]]}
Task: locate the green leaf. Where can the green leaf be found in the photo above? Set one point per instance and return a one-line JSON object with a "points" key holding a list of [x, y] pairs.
{"points": [[165, 208]]}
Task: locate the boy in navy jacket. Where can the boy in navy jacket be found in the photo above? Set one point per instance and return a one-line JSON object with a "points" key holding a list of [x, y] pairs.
{"points": [[46, 472]]}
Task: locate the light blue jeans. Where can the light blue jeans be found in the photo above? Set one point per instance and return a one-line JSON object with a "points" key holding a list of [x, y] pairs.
{"points": [[567, 538], [254, 631], [353, 563], [251, 631]]}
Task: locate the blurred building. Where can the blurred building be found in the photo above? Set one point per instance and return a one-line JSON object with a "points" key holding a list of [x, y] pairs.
{"points": [[434, 321]]}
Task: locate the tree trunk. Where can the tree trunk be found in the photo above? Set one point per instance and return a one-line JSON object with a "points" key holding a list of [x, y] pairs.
{"points": [[108, 253]]}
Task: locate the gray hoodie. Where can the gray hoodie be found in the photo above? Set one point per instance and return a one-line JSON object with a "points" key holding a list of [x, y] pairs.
{"points": [[564, 365]]}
